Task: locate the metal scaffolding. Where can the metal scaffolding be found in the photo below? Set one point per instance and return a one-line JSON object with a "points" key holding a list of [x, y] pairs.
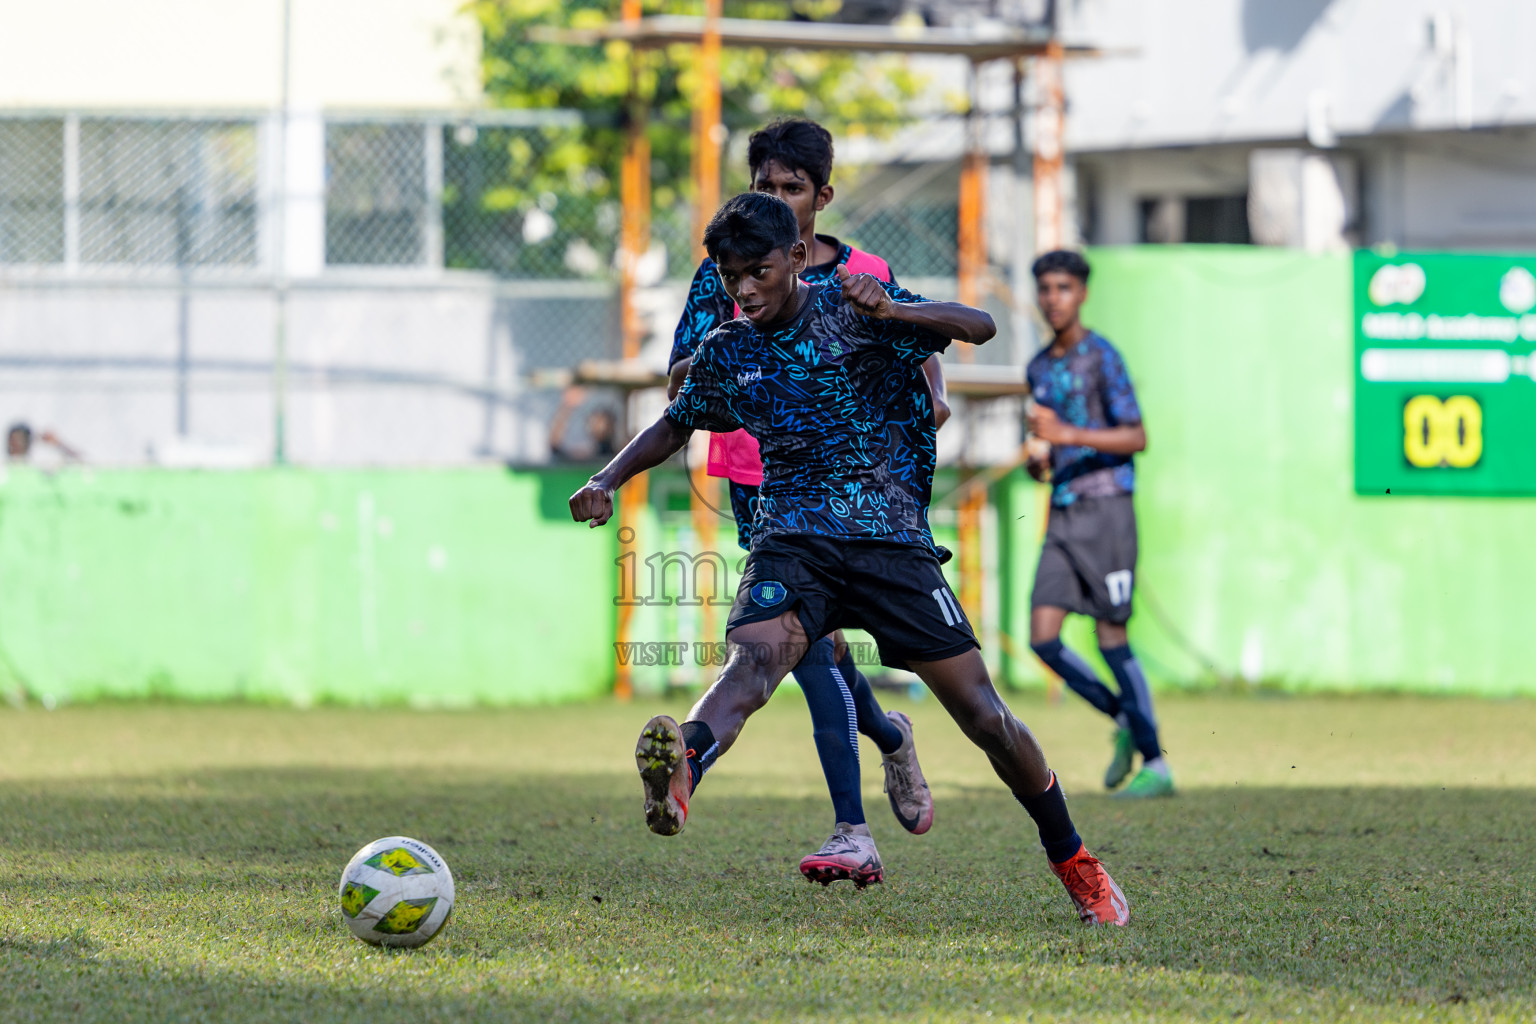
{"points": [[712, 33]]}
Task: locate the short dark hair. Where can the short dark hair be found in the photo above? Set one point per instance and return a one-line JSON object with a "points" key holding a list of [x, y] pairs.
{"points": [[796, 144], [750, 226], [1063, 260], [20, 430]]}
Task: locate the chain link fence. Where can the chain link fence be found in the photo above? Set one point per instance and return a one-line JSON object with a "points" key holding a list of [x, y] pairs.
{"points": [[474, 195], [222, 281]]}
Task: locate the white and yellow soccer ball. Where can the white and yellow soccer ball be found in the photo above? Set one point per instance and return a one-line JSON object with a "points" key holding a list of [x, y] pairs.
{"points": [[396, 892]]}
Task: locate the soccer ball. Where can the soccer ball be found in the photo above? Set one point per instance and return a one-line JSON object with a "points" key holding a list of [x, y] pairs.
{"points": [[396, 892]]}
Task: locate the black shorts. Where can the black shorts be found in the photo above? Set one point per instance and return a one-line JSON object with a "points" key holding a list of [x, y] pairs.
{"points": [[893, 590], [1088, 561]]}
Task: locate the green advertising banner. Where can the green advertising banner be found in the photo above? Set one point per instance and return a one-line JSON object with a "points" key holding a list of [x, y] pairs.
{"points": [[1445, 382]]}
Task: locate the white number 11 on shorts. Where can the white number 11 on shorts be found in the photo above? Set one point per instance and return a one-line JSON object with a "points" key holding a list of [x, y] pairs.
{"points": [[949, 606]]}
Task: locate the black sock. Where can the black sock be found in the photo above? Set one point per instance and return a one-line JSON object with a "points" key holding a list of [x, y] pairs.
{"points": [[699, 741], [873, 721], [1135, 699], [1078, 676], [1057, 834], [834, 727]]}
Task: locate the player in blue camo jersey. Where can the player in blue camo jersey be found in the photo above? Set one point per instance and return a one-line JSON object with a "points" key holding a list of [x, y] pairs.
{"points": [[1085, 408], [840, 541], [792, 160]]}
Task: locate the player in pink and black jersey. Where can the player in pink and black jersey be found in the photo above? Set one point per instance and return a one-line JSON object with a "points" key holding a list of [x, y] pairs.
{"points": [[792, 160]]}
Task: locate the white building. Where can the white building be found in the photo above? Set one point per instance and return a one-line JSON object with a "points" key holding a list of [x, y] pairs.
{"points": [[1326, 122], [225, 237], [1314, 123]]}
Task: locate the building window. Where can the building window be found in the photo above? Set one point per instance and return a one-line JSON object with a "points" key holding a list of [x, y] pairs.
{"points": [[1217, 220], [1210, 220], [376, 203], [128, 192], [32, 191], [176, 193]]}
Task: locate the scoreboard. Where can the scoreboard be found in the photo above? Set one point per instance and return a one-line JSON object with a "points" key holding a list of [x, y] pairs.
{"points": [[1445, 376]]}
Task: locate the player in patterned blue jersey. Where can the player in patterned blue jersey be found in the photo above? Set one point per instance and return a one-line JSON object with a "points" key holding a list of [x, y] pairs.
{"points": [[792, 159], [841, 542], [1086, 409]]}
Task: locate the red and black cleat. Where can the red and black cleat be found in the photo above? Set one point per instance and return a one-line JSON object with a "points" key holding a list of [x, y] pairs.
{"points": [[844, 856], [663, 765]]}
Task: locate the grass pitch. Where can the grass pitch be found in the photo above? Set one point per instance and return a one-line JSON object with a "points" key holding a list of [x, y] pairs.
{"points": [[1361, 859]]}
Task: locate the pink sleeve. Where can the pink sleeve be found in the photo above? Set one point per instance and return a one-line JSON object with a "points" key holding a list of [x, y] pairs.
{"points": [[860, 262], [736, 457]]}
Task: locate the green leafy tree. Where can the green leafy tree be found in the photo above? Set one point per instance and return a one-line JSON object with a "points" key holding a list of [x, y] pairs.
{"points": [[572, 174]]}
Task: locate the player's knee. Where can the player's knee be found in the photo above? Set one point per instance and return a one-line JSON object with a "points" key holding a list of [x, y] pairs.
{"points": [[1045, 648], [754, 668], [992, 727], [738, 695], [1111, 635]]}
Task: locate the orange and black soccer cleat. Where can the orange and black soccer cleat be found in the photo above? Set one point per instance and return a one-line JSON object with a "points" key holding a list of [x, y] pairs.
{"points": [[663, 767], [1097, 898]]}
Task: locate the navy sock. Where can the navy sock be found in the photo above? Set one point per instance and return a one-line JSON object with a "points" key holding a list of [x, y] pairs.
{"points": [[699, 741], [1057, 833], [1076, 673], [1135, 699], [872, 718], [834, 725]]}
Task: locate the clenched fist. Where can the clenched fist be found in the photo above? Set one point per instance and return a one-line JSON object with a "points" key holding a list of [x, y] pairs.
{"points": [[593, 505], [864, 294]]}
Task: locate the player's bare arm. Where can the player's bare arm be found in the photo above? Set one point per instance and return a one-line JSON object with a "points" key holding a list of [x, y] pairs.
{"points": [[676, 375], [1124, 440], [593, 504], [933, 374], [951, 319]]}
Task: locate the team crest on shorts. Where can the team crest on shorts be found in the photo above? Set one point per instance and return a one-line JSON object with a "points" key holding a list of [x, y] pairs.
{"points": [[769, 593]]}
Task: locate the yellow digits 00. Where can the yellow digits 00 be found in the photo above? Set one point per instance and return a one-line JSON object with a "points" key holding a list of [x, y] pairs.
{"points": [[1442, 433]]}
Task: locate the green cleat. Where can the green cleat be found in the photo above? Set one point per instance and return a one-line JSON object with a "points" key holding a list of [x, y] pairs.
{"points": [[1146, 785], [1120, 765]]}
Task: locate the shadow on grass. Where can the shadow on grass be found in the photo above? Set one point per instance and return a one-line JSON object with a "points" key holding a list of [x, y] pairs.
{"points": [[118, 898]]}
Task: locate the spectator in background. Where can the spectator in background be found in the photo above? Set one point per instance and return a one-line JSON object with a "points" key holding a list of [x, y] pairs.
{"points": [[18, 444], [602, 441]]}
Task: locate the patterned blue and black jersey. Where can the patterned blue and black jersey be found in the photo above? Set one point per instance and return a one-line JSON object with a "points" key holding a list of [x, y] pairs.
{"points": [[708, 306], [811, 391], [1090, 388]]}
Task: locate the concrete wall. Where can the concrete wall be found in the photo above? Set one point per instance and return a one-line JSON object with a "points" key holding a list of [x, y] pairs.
{"points": [[428, 588], [411, 375], [1257, 555]]}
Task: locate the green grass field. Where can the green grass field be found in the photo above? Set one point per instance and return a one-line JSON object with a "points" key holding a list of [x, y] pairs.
{"points": [[1359, 859]]}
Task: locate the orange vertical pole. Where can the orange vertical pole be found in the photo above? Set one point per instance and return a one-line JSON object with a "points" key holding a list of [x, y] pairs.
{"points": [[968, 515], [634, 239], [971, 270], [708, 132], [708, 136], [634, 198], [631, 500], [972, 241], [1050, 114]]}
